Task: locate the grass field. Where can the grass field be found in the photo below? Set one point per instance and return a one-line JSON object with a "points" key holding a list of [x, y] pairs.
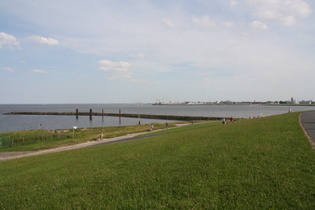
{"points": [[263, 163], [34, 140]]}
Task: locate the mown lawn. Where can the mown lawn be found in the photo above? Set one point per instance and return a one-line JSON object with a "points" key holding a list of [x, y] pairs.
{"points": [[34, 140], [251, 164]]}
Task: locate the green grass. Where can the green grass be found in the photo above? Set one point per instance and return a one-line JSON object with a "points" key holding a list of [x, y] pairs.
{"points": [[186, 127], [34, 140], [264, 163]]}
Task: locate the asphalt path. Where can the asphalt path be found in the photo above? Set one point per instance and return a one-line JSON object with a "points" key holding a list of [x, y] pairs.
{"points": [[129, 137], [308, 122], [126, 139]]}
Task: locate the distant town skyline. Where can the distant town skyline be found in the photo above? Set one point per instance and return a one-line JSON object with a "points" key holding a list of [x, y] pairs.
{"points": [[127, 51], [292, 101]]}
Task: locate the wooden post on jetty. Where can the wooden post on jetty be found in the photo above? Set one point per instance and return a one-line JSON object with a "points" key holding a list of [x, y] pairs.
{"points": [[119, 116], [90, 114], [77, 113]]}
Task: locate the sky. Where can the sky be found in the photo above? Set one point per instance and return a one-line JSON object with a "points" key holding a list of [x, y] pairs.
{"points": [[127, 51]]}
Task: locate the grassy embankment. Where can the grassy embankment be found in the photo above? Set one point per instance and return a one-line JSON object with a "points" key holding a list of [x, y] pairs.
{"points": [[259, 163], [34, 140]]}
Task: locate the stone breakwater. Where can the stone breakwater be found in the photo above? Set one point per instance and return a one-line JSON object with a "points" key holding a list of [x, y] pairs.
{"points": [[145, 116]]}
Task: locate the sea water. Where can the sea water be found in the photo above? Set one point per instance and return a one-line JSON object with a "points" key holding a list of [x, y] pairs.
{"points": [[30, 122]]}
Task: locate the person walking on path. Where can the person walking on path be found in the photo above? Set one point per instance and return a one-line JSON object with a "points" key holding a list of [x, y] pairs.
{"points": [[101, 136]]}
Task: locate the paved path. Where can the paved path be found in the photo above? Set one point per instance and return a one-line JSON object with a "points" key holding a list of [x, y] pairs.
{"points": [[308, 122], [129, 137]]}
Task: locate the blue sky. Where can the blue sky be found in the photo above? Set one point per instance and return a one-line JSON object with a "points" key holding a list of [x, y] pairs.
{"points": [[124, 51]]}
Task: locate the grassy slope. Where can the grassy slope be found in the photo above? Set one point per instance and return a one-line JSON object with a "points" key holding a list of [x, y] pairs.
{"points": [[262, 163], [34, 142]]}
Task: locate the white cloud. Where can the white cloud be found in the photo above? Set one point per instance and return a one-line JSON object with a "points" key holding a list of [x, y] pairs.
{"points": [[234, 2], [120, 70], [258, 24], [176, 47], [228, 24], [285, 12], [169, 23], [204, 21], [8, 41], [39, 71], [106, 65], [43, 40], [9, 69], [276, 16]]}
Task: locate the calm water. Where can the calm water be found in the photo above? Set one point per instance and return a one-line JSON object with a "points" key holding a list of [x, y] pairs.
{"points": [[29, 122]]}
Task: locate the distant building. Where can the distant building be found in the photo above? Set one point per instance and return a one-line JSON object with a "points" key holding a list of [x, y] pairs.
{"points": [[293, 101], [306, 102], [190, 103]]}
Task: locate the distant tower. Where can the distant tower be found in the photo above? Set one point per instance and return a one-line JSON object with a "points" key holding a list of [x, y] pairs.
{"points": [[292, 99]]}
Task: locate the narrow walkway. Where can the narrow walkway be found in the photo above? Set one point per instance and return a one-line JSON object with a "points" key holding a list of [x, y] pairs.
{"points": [[308, 123], [129, 137]]}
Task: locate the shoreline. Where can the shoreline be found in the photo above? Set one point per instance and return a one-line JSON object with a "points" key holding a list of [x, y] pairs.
{"points": [[145, 116]]}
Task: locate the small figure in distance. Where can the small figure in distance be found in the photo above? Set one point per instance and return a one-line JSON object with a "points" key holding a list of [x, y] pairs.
{"points": [[231, 119], [101, 136], [166, 125], [223, 121]]}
